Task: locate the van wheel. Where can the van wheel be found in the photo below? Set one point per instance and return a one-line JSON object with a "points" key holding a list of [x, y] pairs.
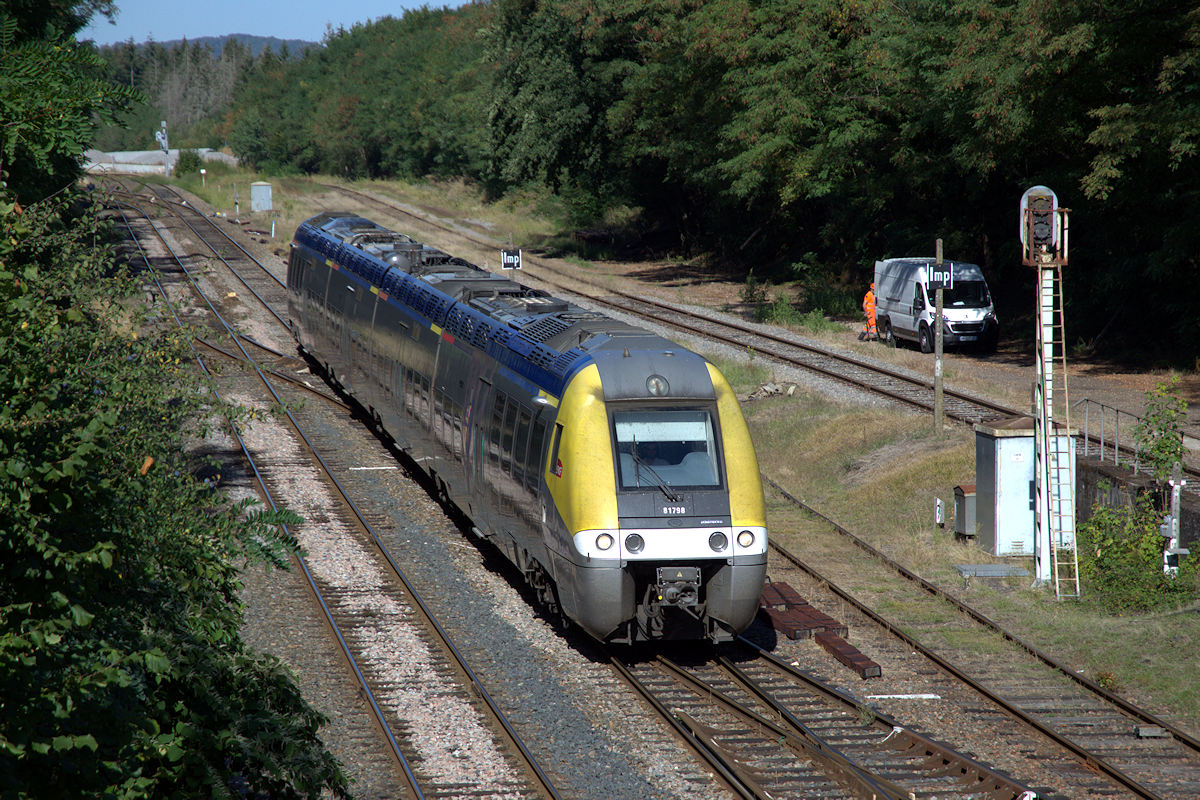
{"points": [[926, 339], [889, 338]]}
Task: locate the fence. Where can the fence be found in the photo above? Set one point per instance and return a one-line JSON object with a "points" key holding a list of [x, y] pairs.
{"points": [[1109, 434]]}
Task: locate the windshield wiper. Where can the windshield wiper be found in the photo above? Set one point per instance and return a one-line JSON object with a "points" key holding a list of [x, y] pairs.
{"points": [[657, 479]]}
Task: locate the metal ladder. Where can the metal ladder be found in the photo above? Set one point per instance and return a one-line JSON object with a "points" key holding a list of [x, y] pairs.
{"points": [[1058, 466]]}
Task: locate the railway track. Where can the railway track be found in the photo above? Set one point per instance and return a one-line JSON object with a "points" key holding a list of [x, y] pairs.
{"points": [[375, 608], [1100, 744], [773, 731], [1092, 755]]}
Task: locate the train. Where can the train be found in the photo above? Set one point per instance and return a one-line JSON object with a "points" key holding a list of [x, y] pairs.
{"points": [[610, 465]]}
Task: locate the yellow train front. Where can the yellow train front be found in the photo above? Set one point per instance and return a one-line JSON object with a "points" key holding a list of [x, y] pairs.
{"points": [[610, 465], [659, 528]]}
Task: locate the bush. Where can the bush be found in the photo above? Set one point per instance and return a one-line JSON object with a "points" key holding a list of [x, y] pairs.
{"points": [[122, 671], [1157, 435], [189, 162], [1120, 561]]}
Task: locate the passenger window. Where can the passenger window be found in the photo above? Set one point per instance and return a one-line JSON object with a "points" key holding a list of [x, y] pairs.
{"points": [[534, 470], [918, 298], [497, 424], [506, 440], [558, 429]]}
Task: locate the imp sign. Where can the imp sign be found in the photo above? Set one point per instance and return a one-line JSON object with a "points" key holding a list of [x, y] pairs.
{"points": [[941, 276], [510, 259]]}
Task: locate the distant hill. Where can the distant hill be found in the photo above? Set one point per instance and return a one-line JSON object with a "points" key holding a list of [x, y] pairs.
{"points": [[254, 44]]}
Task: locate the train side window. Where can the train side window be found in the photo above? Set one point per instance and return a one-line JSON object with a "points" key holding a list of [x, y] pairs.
{"points": [[558, 432], [533, 470], [423, 400], [455, 422], [439, 418], [521, 446], [397, 379], [410, 396], [506, 438], [497, 425]]}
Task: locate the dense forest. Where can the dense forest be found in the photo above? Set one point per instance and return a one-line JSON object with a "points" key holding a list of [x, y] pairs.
{"points": [[191, 84], [800, 139]]}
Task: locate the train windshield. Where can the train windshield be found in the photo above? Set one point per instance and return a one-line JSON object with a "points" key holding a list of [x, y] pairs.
{"points": [[666, 449]]}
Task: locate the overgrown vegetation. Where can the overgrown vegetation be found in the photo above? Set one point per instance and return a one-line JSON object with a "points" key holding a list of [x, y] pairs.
{"points": [[122, 672], [1121, 549], [1121, 561], [1157, 435], [188, 163], [121, 668]]}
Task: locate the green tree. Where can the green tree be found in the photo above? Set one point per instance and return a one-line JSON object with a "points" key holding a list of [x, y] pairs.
{"points": [[122, 673], [50, 98]]}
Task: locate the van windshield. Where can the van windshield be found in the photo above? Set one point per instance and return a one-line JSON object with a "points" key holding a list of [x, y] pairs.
{"points": [[967, 294]]}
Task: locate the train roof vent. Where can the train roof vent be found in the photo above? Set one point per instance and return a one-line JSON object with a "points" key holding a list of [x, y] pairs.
{"points": [[543, 304], [565, 360], [461, 323], [544, 328], [363, 239], [543, 356]]}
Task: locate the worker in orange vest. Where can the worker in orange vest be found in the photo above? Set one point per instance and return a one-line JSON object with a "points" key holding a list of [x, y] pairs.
{"points": [[869, 332]]}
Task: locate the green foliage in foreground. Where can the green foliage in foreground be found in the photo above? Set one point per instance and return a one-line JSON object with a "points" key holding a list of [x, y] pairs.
{"points": [[122, 673], [1120, 561]]}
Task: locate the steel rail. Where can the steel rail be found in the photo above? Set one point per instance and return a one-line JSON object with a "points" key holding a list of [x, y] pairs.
{"points": [[173, 207], [498, 715], [985, 778], [1188, 741], [215, 227], [1086, 756], [377, 711], [797, 737], [731, 779], [297, 382]]}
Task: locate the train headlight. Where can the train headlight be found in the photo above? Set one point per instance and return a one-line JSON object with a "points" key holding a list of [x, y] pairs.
{"points": [[718, 541], [657, 385], [604, 541], [745, 538], [634, 543]]}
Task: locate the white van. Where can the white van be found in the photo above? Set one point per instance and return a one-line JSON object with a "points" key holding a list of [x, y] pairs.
{"points": [[905, 305]]}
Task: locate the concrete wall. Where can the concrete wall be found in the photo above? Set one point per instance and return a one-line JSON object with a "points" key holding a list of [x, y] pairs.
{"points": [[1113, 486], [145, 161]]}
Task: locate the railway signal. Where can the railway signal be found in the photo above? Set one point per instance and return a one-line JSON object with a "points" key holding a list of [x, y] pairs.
{"points": [[1043, 230], [161, 136]]}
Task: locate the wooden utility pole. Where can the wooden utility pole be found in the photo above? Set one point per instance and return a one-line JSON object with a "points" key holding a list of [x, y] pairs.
{"points": [[939, 417]]}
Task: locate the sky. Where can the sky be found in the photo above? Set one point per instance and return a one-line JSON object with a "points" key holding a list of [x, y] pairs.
{"points": [[165, 20]]}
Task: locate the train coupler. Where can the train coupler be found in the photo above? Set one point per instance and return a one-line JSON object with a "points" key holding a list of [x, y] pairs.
{"points": [[678, 586]]}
